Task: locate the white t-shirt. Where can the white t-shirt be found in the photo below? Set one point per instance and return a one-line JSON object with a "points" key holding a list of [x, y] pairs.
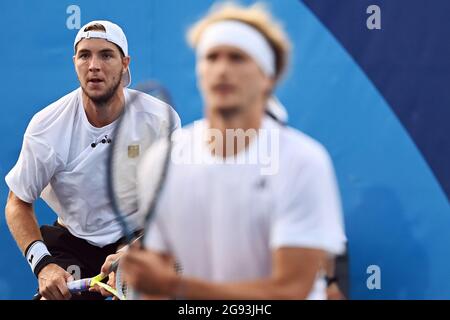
{"points": [[58, 163], [222, 221]]}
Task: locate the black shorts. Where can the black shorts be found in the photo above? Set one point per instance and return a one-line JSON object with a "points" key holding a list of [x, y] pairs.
{"points": [[69, 250]]}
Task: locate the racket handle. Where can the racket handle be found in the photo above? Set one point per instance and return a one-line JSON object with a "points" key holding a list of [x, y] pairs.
{"points": [[79, 285]]}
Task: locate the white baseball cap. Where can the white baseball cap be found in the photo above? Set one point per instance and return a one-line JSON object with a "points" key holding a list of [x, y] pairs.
{"points": [[112, 34]]}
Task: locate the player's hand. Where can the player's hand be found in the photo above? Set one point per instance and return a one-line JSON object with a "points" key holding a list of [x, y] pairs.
{"points": [[111, 282], [148, 273], [106, 267], [334, 293], [53, 282], [106, 270]]}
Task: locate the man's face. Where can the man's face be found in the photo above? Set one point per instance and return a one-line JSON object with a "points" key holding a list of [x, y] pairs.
{"points": [[99, 66], [230, 79]]}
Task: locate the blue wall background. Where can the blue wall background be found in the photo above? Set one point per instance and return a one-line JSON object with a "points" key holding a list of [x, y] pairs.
{"points": [[377, 99]]}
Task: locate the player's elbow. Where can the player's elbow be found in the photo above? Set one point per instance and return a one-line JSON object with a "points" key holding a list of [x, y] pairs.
{"points": [[14, 205], [10, 212], [8, 207]]}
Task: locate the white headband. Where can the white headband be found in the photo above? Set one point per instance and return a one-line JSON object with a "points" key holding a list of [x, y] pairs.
{"points": [[240, 35]]}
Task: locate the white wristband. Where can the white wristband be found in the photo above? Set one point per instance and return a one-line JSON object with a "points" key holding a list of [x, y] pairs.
{"points": [[35, 253]]}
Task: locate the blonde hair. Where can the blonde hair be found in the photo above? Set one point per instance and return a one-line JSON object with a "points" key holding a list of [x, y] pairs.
{"points": [[256, 16]]}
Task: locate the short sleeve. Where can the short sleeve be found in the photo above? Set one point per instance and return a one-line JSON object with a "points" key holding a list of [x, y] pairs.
{"points": [[309, 212], [34, 169]]}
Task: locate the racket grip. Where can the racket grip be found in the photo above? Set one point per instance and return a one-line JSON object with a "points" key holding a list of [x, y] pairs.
{"points": [[79, 285]]}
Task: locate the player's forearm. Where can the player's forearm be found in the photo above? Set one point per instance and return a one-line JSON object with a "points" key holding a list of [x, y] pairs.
{"points": [[21, 222], [265, 289]]}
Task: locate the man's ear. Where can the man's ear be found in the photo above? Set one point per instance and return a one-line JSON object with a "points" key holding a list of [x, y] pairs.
{"points": [[125, 63]]}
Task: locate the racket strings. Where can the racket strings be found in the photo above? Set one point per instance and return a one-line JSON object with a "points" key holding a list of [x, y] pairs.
{"points": [[125, 154]]}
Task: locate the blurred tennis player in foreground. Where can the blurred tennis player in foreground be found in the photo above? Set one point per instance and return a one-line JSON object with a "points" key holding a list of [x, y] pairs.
{"points": [[63, 160], [250, 208]]}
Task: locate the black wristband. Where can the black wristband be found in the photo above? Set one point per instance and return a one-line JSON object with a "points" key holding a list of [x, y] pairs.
{"points": [[45, 261], [38, 256]]}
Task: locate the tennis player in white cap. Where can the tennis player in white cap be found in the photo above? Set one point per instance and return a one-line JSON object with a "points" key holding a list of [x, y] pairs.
{"points": [[63, 160]]}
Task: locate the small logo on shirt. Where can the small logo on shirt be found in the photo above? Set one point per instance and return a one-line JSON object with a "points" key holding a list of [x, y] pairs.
{"points": [[133, 151]]}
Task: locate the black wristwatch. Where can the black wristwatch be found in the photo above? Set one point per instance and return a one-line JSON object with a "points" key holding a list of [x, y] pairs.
{"points": [[330, 280]]}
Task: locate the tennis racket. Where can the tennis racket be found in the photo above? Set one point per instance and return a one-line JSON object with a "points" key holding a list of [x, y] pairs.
{"points": [[131, 141]]}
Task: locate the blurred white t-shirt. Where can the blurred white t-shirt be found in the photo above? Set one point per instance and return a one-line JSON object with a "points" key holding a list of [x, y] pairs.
{"points": [[222, 221]]}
